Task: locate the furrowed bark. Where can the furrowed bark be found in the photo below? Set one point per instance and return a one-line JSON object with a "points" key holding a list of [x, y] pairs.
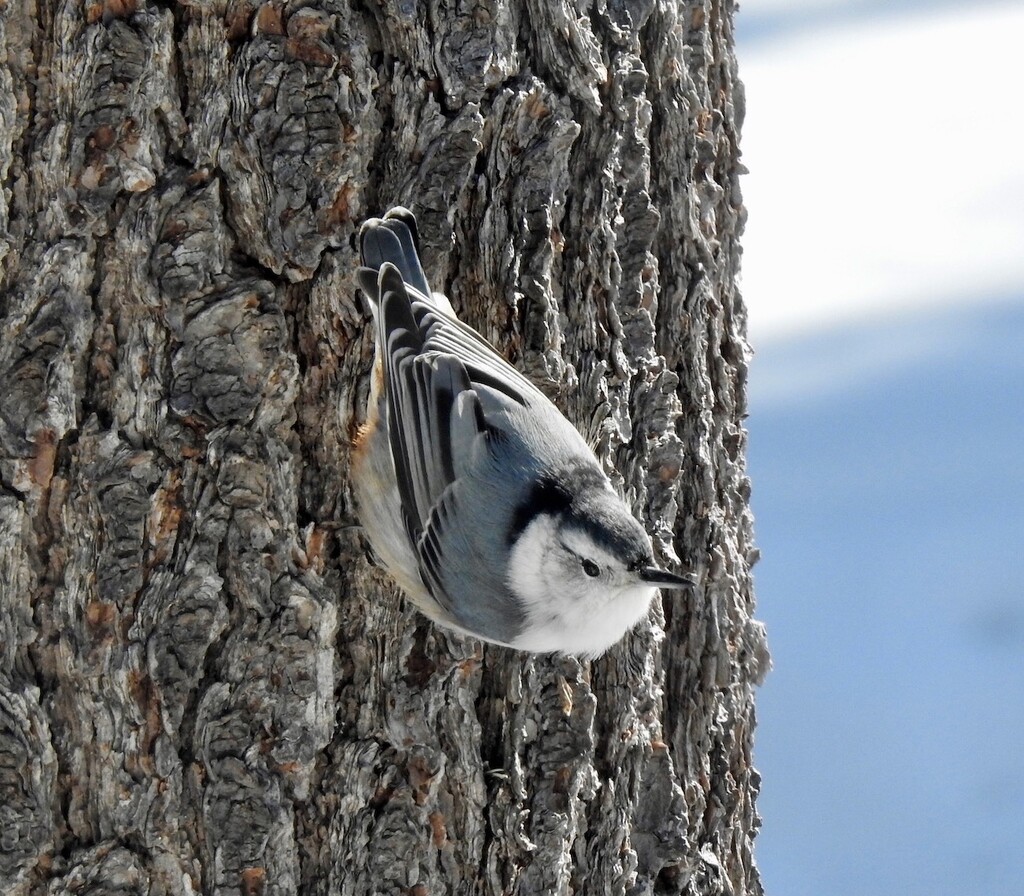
{"points": [[205, 686]]}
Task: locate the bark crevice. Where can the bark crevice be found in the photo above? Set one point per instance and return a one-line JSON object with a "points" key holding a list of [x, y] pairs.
{"points": [[205, 687]]}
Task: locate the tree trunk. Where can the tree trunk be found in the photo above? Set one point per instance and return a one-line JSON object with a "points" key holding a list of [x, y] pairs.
{"points": [[205, 687]]}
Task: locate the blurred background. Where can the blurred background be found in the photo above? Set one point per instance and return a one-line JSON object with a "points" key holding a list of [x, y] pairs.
{"points": [[884, 274]]}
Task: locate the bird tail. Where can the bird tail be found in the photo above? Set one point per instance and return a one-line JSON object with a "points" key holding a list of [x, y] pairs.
{"points": [[393, 239]]}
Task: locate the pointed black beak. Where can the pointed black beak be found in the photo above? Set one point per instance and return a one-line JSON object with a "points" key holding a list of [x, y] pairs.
{"points": [[665, 579]]}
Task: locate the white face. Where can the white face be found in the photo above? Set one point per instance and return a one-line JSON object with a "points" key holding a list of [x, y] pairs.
{"points": [[578, 598]]}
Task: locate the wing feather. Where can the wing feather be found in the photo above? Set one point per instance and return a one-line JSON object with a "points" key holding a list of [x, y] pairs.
{"points": [[430, 549], [436, 426], [448, 393], [448, 335]]}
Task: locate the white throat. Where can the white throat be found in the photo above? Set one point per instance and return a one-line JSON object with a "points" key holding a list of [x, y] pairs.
{"points": [[568, 614]]}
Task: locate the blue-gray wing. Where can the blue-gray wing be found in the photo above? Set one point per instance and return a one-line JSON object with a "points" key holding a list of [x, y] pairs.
{"points": [[450, 397], [436, 426], [393, 240]]}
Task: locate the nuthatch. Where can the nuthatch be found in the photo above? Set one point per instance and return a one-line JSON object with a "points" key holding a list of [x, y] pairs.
{"points": [[484, 503]]}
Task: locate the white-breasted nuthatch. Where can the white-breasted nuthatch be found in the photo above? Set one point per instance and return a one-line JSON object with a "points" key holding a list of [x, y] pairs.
{"points": [[484, 503]]}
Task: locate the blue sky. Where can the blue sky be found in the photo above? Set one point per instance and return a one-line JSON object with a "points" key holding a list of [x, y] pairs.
{"points": [[884, 273]]}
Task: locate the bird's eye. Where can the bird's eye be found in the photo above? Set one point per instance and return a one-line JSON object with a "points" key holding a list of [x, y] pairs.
{"points": [[591, 568]]}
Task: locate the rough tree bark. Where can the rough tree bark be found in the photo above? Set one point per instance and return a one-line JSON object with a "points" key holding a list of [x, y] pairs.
{"points": [[204, 685]]}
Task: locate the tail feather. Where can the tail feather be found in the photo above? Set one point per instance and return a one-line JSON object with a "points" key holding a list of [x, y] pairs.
{"points": [[392, 239]]}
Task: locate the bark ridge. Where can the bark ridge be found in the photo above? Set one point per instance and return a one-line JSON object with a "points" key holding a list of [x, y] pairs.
{"points": [[205, 687]]}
